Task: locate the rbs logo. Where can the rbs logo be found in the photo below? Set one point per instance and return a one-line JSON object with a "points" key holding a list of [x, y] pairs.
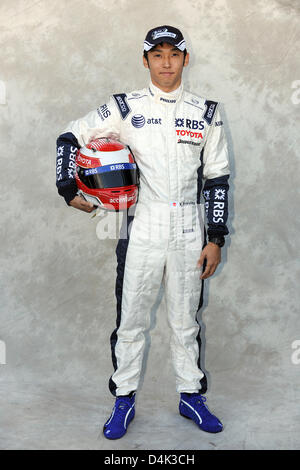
{"points": [[189, 124]]}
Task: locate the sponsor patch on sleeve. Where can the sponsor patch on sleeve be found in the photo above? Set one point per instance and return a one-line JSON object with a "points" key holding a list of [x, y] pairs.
{"points": [[103, 112], [122, 104], [211, 107]]}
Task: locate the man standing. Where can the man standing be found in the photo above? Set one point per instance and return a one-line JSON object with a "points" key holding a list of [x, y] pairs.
{"points": [[178, 140]]}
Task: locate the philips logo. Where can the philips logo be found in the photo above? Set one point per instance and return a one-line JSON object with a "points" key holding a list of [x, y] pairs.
{"points": [[167, 101]]}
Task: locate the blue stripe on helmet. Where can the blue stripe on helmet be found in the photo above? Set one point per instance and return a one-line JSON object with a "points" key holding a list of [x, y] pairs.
{"points": [[112, 167]]}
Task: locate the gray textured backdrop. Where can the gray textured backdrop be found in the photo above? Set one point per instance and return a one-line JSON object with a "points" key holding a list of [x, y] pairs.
{"points": [[61, 59]]}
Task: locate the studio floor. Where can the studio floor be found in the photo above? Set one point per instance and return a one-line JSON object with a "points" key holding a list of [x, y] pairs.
{"points": [[43, 416]]}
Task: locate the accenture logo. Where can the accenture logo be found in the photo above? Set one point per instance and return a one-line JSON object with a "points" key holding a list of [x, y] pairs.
{"points": [[138, 120]]}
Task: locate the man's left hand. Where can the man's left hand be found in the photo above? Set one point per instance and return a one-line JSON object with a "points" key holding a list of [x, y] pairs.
{"points": [[212, 253]]}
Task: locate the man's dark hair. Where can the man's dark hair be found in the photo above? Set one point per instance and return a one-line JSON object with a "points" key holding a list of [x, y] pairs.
{"points": [[160, 44]]}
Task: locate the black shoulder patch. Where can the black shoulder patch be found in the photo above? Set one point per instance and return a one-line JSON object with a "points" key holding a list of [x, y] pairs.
{"points": [[122, 104], [209, 113]]}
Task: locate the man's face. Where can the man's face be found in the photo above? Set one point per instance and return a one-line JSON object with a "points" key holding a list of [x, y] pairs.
{"points": [[166, 65]]}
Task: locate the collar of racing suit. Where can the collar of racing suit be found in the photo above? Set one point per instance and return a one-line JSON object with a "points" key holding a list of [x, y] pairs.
{"points": [[163, 97]]}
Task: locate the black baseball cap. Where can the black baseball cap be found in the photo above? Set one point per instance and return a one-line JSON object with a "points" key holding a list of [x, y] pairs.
{"points": [[167, 34]]}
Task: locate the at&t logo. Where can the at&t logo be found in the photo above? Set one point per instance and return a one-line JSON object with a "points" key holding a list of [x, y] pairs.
{"points": [[138, 120]]}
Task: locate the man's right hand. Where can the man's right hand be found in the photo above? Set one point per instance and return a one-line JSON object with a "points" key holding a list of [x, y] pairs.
{"points": [[80, 203]]}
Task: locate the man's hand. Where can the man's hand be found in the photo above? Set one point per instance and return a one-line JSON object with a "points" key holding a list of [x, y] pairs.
{"points": [[212, 253], [80, 203]]}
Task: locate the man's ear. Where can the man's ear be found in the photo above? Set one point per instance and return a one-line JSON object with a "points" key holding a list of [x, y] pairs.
{"points": [[186, 59], [145, 62]]}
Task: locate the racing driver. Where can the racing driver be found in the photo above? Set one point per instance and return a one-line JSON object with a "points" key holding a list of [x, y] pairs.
{"points": [[178, 141]]}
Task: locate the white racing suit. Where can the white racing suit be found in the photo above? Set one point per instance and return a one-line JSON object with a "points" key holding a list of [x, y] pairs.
{"points": [[177, 140]]}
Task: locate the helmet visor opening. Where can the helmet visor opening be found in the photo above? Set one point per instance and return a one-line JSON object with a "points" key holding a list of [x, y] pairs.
{"points": [[108, 176]]}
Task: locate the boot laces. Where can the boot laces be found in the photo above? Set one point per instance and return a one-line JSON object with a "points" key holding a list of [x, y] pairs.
{"points": [[121, 408], [200, 400]]}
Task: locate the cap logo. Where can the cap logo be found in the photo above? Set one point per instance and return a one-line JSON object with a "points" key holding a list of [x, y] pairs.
{"points": [[162, 33]]}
